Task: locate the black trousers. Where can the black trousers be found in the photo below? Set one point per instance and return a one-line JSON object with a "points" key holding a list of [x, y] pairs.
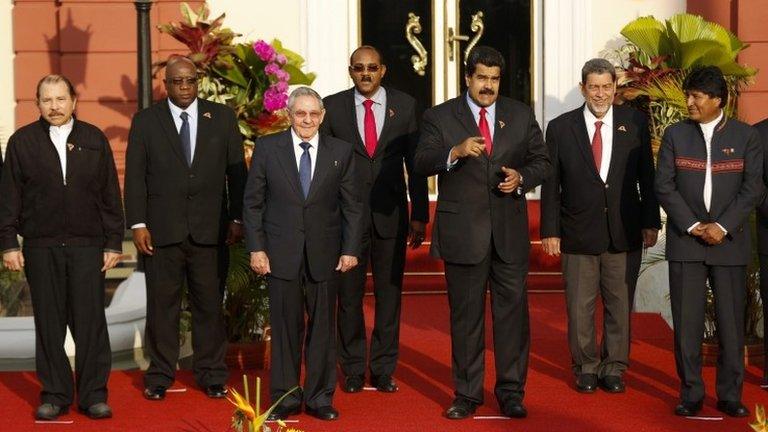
{"points": [[289, 300], [687, 289], [764, 298], [387, 258], [167, 270], [67, 287], [467, 285]]}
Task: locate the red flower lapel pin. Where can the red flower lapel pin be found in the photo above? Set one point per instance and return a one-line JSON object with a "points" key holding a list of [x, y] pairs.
{"points": [[501, 124], [622, 128], [70, 146], [391, 113]]}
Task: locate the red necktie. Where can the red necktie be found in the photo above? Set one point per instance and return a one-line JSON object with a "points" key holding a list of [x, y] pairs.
{"points": [[369, 125], [485, 131], [597, 145]]}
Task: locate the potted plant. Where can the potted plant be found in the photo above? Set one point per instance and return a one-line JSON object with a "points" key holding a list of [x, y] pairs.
{"points": [[653, 65], [253, 79]]}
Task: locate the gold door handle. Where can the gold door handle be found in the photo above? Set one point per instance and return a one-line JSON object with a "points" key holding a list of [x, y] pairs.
{"points": [[477, 26], [412, 28]]}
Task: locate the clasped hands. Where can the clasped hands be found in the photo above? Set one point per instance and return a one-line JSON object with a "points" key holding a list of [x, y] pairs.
{"points": [[260, 263], [711, 233], [474, 147]]}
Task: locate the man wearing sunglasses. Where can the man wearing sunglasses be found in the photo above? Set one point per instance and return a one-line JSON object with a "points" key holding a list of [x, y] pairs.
{"points": [[182, 153], [384, 133]]}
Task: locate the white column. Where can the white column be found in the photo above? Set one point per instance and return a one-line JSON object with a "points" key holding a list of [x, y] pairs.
{"points": [[329, 40], [7, 98], [567, 45]]}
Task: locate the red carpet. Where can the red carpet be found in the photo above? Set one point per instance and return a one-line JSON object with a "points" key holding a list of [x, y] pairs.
{"points": [[425, 388]]}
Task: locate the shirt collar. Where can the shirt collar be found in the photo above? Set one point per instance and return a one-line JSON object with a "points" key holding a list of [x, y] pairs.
{"points": [[590, 118], [709, 127], [475, 108], [176, 110], [297, 139], [377, 98]]}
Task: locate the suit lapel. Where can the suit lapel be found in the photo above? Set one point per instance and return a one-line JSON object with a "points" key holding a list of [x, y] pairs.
{"points": [[465, 117], [359, 145], [203, 131], [169, 128], [503, 119], [389, 116], [287, 158], [322, 166], [579, 129], [618, 146]]}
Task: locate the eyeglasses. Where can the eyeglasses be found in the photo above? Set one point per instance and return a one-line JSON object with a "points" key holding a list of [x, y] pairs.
{"points": [[178, 82], [361, 67], [314, 115]]}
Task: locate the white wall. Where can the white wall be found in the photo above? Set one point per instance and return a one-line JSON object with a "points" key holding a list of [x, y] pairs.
{"points": [[7, 100], [317, 29]]}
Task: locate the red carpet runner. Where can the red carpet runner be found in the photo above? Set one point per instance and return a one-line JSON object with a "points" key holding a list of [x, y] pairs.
{"points": [[425, 388]]}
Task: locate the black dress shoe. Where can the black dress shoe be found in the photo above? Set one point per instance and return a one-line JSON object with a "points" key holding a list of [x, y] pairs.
{"points": [[354, 383], [460, 408], [155, 393], [49, 412], [688, 408], [612, 384], [323, 413], [733, 408], [216, 391], [281, 413], [384, 383], [586, 383], [98, 411], [515, 409]]}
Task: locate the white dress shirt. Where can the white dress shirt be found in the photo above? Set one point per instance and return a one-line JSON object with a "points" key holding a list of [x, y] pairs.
{"points": [[379, 109], [606, 132], [192, 119], [298, 151], [59, 136]]}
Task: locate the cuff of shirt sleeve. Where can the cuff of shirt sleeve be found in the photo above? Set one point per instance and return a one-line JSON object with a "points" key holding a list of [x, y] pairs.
{"points": [[725, 231], [690, 228], [138, 225]]}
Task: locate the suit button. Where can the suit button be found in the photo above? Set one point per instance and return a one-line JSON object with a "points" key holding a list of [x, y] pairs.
{"points": [[191, 176], [606, 185], [605, 209], [189, 197]]}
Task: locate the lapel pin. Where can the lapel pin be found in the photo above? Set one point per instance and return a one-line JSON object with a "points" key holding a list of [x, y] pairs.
{"points": [[728, 151], [501, 124], [391, 112], [70, 146], [207, 115], [335, 163], [622, 128]]}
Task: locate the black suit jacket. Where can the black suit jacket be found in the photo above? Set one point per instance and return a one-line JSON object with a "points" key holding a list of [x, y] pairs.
{"points": [[737, 185], [470, 208], [589, 215], [762, 209], [280, 222], [381, 179], [172, 198]]}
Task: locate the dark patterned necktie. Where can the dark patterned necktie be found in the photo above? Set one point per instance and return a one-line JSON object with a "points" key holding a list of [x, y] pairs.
{"points": [[186, 139], [305, 168]]}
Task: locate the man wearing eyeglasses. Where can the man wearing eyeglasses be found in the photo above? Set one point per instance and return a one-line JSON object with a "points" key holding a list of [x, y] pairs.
{"points": [[384, 133], [182, 153]]}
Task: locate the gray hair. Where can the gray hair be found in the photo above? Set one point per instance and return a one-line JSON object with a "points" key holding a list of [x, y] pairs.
{"points": [[597, 66], [303, 91]]}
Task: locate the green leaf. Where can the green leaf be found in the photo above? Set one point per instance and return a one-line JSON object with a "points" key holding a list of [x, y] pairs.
{"points": [[189, 15], [647, 33], [297, 76]]}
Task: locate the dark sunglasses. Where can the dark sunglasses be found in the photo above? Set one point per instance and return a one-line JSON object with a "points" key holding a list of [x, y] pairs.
{"points": [[361, 67]]}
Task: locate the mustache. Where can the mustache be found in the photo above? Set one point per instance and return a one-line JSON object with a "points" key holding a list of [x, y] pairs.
{"points": [[54, 113], [487, 91], [366, 79]]}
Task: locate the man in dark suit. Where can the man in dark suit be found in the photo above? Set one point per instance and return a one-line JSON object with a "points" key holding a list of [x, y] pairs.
{"points": [[61, 194], [762, 246], [598, 209], [381, 123], [181, 153], [708, 180], [303, 226], [487, 150]]}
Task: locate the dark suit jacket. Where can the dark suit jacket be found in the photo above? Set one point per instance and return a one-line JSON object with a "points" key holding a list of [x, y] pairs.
{"points": [[762, 209], [589, 215], [737, 184], [381, 180], [280, 222], [470, 208], [173, 199]]}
